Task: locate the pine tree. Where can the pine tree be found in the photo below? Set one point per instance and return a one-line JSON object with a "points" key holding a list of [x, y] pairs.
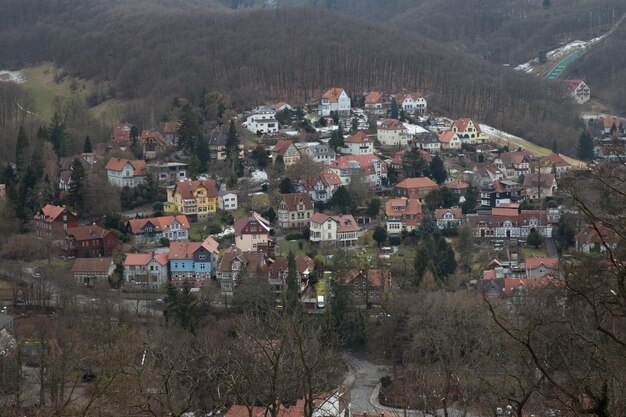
{"points": [[202, 153], [188, 128], [135, 146], [57, 135], [21, 151], [77, 185], [585, 146], [438, 170], [471, 199], [555, 148], [87, 147], [292, 291], [413, 165], [233, 157], [379, 235], [394, 108], [466, 245]]}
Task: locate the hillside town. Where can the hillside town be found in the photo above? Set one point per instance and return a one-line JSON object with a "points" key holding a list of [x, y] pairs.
{"points": [[369, 196]]}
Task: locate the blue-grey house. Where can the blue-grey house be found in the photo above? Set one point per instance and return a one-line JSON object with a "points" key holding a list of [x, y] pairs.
{"points": [[192, 262]]}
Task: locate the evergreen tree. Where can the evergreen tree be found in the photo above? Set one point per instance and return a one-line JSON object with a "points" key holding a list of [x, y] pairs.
{"points": [[135, 146], [394, 108], [341, 199], [21, 151], [379, 235], [285, 186], [187, 308], [438, 170], [292, 291], [444, 260], [335, 117], [87, 147], [336, 138], [188, 128], [57, 135], [555, 148], [77, 185], [233, 158], [354, 126], [534, 238], [413, 165], [259, 155], [420, 263], [202, 153], [194, 166], [466, 246], [373, 208], [279, 164], [428, 226], [585, 146], [271, 215], [171, 301]]}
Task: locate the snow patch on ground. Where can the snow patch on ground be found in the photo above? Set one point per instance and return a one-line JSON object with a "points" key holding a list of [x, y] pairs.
{"points": [[526, 67], [568, 48], [227, 232], [413, 129], [492, 131], [16, 77], [258, 176]]}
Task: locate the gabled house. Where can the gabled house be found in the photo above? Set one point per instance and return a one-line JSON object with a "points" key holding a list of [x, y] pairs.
{"points": [[612, 124], [553, 164], [279, 269], [374, 170], [514, 164], [281, 106], [334, 100], [226, 200], [152, 144], [412, 103], [366, 286], [168, 171], [192, 262], [358, 144], [375, 103], [486, 172], [340, 230], [152, 230], [540, 266], [428, 141], [403, 215], [217, 143], [235, 263], [537, 186], [195, 199], [499, 192], [468, 131], [88, 271], [320, 187], [294, 210], [596, 239], [90, 240], [120, 136], [286, 150], [458, 187], [170, 132], [450, 140], [578, 90], [320, 153], [126, 173], [146, 269], [252, 234], [449, 217], [415, 188], [392, 132], [506, 223], [52, 222]]}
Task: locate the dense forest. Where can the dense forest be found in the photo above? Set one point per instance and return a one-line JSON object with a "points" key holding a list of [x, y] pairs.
{"points": [[501, 31], [156, 52]]}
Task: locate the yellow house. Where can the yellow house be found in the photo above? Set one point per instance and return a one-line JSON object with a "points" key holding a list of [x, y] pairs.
{"points": [[195, 199]]}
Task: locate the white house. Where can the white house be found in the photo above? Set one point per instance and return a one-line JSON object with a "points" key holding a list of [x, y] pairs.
{"points": [[450, 140], [392, 132], [262, 120], [146, 269], [319, 152], [358, 144], [341, 230], [126, 173], [578, 89], [374, 170], [412, 103], [226, 200], [334, 100], [468, 131], [450, 217]]}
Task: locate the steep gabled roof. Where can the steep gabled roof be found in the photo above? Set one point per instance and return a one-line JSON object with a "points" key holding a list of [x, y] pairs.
{"points": [[161, 224], [400, 206], [281, 147], [461, 124], [456, 212], [254, 216], [187, 188], [51, 212], [392, 124], [536, 262], [89, 232], [589, 234], [333, 94], [293, 199], [95, 265], [417, 183], [447, 136], [534, 180], [118, 164], [358, 137], [376, 277], [374, 97]]}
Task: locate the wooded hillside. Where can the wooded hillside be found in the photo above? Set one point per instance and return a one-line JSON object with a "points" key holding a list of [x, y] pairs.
{"points": [[154, 52]]}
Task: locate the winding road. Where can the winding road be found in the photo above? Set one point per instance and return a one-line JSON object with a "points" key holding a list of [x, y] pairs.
{"points": [[363, 383]]}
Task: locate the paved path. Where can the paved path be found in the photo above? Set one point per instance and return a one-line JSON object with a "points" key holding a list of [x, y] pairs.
{"points": [[556, 71], [363, 382]]}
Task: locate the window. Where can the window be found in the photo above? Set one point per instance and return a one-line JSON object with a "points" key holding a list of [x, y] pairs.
{"points": [[202, 257]]}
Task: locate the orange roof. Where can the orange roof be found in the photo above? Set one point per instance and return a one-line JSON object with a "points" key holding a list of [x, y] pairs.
{"points": [[446, 137], [333, 94], [504, 212], [281, 147], [141, 259], [457, 185], [399, 206], [292, 199], [161, 223], [51, 212], [183, 250], [328, 177], [101, 265], [118, 164], [461, 124], [535, 262], [121, 132], [89, 232], [608, 122], [392, 124], [364, 162], [555, 159], [374, 97], [187, 188], [418, 183], [376, 277], [589, 234], [456, 211], [359, 137]]}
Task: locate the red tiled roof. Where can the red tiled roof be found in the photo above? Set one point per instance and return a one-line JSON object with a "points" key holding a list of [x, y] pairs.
{"points": [[251, 260], [281, 147], [377, 277], [533, 180], [118, 164], [461, 124], [293, 199], [100, 265], [589, 234], [418, 183], [457, 185], [409, 206], [456, 211], [210, 244], [333, 94], [51, 212], [121, 133], [359, 137], [571, 85], [187, 188], [303, 263], [243, 221], [161, 223], [446, 137], [137, 259], [535, 262], [374, 97], [392, 124], [89, 232], [183, 250], [504, 212], [364, 162], [555, 159]]}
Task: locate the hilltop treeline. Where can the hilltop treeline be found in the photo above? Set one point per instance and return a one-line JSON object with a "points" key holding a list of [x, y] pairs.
{"points": [[157, 53]]}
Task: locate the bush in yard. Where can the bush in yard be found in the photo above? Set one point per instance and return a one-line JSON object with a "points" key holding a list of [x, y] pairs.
{"points": [[293, 236]]}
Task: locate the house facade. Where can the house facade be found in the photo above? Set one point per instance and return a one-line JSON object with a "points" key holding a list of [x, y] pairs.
{"points": [[294, 210], [449, 218], [375, 103], [126, 173], [450, 140], [52, 222], [226, 200], [320, 153], [286, 150], [340, 230], [415, 188], [468, 131], [596, 238], [358, 144], [192, 262], [320, 187], [514, 164], [195, 199], [506, 223], [428, 141], [537, 186], [403, 215], [252, 234], [88, 271], [374, 170], [392, 132], [578, 90], [412, 103], [90, 240], [152, 230], [366, 286], [262, 121], [541, 266], [146, 269], [279, 269], [334, 100], [234, 263], [168, 171]]}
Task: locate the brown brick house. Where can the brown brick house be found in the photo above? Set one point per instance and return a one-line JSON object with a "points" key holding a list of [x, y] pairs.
{"points": [[92, 238], [366, 286], [53, 221]]}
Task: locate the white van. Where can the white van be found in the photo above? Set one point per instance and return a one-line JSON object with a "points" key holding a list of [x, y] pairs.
{"points": [[320, 301]]}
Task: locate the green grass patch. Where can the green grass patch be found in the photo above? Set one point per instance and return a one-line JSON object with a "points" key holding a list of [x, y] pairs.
{"points": [[284, 246], [532, 252], [200, 230]]}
